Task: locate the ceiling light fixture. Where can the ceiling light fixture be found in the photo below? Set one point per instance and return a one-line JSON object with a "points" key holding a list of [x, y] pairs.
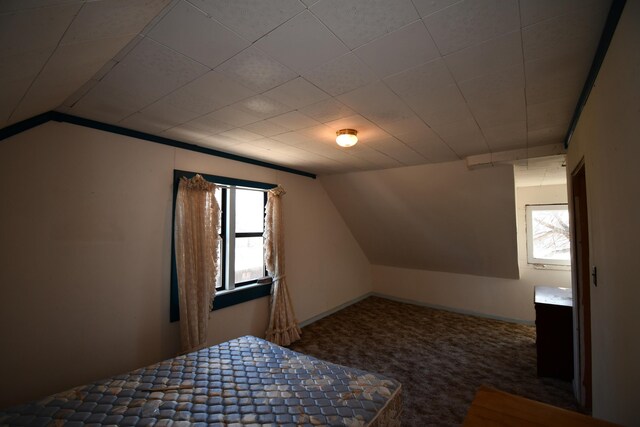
{"points": [[346, 137]]}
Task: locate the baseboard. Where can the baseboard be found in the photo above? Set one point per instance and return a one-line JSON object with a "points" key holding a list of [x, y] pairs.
{"points": [[334, 310], [454, 310], [408, 301]]}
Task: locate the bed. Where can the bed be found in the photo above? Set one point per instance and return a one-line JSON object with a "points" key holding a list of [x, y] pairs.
{"points": [[245, 381]]}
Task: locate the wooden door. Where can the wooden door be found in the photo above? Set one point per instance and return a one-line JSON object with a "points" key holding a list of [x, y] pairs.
{"points": [[583, 281]]}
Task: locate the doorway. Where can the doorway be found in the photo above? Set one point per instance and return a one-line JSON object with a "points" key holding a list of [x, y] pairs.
{"points": [[582, 290]]}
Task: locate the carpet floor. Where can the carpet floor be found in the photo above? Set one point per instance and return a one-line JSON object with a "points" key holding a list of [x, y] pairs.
{"points": [[440, 357]]}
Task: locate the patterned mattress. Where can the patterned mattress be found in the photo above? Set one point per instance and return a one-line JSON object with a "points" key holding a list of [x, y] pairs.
{"points": [[246, 381]]}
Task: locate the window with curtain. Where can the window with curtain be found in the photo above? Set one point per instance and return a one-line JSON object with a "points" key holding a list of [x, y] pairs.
{"points": [[240, 244]]}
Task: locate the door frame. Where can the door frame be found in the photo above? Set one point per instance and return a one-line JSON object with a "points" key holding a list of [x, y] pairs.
{"points": [[581, 274]]}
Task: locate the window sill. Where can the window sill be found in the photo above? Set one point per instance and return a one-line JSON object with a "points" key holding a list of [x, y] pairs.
{"points": [[246, 293], [550, 267]]}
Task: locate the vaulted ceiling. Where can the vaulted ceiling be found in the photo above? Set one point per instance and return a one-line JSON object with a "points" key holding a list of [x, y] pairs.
{"points": [[423, 81]]}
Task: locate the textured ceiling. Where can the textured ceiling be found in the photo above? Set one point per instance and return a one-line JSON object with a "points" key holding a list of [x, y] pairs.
{"points": [[422, 81]]}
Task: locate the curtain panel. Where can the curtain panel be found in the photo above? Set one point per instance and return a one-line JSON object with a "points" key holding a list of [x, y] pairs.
{"points": [[283, 326], [197, 218]]}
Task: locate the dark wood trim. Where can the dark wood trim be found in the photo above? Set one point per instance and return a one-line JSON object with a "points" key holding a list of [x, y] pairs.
{"points": [[119, 130], [605, 40]]}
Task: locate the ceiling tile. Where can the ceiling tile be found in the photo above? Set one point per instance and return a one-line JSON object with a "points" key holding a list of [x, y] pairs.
{"points": [[427, 7], [185, 132], [15, 5], [428, 89], [297, 93], [404, 48], [320, 133], [168, 113], [506, 137], [426, 142], [534, 11], [265, 128], [485, 58], [233, 116], [111, 18], [293, 138], [16, 75], [378, 103], [327, 110], [380, 160], [359, 21], [493, 84], [143, 123], [293, 120], [261, 106], [151, 71], [207, 41], [557, 112], [426, 77], [250, 18], [107, 103], [207, 124], [34, 29], [67, 69], [255, 70], [442, 114], [470, 22], [557, 76], [505, 108], [341, 74], [302, 43], [209, 92], [549, 135], [563, 34], [401, 152], [241, 135], [463, 137]]}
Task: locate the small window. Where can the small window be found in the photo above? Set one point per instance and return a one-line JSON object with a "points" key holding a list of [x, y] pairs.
{"points": [[241, 251], [548, 235]]}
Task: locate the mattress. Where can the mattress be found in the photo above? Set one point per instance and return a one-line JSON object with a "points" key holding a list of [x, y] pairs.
{"points": [[242, 382]]}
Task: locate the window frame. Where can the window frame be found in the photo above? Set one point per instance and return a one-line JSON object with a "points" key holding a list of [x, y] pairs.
{"points": [[529, 209], [241, 292]]}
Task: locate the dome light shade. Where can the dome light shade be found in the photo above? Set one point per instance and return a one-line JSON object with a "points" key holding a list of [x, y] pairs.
{"points": [[346, 137]]}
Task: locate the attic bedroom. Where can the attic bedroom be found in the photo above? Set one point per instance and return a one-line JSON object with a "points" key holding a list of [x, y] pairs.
{"points": [[186, 238]]}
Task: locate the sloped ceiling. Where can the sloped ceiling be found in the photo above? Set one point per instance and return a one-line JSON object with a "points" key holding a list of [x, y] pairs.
{"points": [[423, 81], [405, 217]]}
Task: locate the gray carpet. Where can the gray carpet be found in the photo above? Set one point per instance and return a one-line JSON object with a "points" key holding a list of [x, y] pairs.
{"points": [[439, 357]]}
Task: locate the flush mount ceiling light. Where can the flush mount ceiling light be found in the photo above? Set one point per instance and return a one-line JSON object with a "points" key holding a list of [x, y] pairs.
{"points": [[346, 137]]}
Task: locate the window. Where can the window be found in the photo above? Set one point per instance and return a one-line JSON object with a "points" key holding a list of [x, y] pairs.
{"points": [[548, 240], [241, 251]]}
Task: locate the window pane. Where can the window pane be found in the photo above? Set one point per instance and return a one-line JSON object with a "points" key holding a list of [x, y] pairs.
{"points": [[249, 259], [218, 194], [249, 211], [551, 234]]}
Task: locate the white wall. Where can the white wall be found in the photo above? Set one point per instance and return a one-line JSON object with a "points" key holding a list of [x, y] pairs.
{"points": [[607, 138], [439, 217], [85, 226], [490, 296]]}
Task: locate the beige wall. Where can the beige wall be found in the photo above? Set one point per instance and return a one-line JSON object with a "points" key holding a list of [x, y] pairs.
{"points": [[607, 138], [490, 296], [85, 221], [440, 217]]}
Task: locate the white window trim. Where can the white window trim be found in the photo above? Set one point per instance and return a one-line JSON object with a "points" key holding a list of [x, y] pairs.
{"points": [[529, 226]]}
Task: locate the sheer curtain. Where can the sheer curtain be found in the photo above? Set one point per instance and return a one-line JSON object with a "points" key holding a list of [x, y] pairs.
{"points": [[196, 247], [283, 326]]}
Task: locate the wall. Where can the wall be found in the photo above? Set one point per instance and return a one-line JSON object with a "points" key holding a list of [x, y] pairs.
{"points": [[607, 138], [440, 217], [490, 296], [85, 222]]}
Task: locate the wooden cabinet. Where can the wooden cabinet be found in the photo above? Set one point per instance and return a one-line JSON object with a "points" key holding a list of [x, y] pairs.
{"points": [[554, 332]]}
